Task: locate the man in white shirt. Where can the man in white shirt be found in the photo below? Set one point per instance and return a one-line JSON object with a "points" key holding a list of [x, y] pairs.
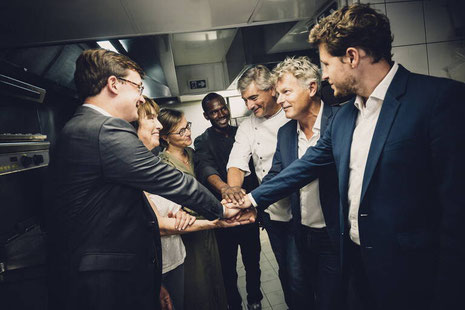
{"points": [[398, 149], [314, 207], [256, 137]]}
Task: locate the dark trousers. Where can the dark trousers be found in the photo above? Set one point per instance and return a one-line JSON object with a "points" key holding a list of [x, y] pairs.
{"points": [[322, 268], [360, 294], [291, 275], [229, 239], [173, 281]]}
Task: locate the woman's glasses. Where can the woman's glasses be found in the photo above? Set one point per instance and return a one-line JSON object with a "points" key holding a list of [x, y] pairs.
{"points": [[182, 132]]}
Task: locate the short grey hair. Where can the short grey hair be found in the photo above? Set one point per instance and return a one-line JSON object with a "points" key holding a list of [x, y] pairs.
{"points": [[259, 74], [301, 68]]}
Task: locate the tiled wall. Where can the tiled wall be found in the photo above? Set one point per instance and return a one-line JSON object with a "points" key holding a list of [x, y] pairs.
{"points": [[425, 38]]}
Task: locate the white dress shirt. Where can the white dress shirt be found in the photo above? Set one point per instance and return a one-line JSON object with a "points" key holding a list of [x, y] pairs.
{"points": [[257, 137], [367, 118], [310, 206], [96, 108]]}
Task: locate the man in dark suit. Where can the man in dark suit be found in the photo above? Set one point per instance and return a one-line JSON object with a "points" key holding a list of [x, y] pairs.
{"points": [[314, 207], [399, 152], [104, 238]]}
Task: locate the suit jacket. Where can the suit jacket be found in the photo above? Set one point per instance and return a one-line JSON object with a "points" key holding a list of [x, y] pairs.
{"points": [[412, 204], [105, 244], [286, 152]]}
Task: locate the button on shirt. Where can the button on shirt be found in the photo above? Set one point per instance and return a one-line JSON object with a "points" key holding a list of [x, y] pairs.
{"points": [[367, 118], [257, 137], [310, 206]]}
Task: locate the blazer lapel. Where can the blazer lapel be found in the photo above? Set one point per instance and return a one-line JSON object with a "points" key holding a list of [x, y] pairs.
{"points": [[293, 143], [345, 126], [383, 126], [327, 113]]}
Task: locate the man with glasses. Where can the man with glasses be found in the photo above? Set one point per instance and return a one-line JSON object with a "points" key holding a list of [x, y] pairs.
{"points": [[104, 238], [212, 150], [140, 86]]}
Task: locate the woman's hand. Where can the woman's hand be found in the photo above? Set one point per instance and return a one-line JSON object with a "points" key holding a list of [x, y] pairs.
{"points": [[183, 219]]}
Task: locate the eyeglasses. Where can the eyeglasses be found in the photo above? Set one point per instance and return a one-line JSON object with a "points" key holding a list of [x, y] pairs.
{"points": [[140, 86], [182, 132]]}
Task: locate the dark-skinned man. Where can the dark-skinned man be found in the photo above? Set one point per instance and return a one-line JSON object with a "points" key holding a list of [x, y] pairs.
{"points": [[211, 157]]}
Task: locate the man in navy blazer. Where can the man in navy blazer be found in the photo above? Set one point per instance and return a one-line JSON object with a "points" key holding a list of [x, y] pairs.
{"points": [[315, 206], [399, 153]]}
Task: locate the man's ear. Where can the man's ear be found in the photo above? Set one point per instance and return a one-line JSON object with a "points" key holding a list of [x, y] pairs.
{"points": [[273, 92], [353, 56], [206, 116], [112, 84], [313, 88]]}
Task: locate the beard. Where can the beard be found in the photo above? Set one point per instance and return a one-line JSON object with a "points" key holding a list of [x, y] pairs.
{"points": [[345, 88]]}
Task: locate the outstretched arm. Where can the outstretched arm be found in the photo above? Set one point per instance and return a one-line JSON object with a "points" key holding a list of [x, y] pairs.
{"points": [[130, 163], [186, 223], [296, 175]]}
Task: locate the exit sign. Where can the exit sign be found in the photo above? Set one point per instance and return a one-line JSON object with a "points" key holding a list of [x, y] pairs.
{"points": [[198, 84]]}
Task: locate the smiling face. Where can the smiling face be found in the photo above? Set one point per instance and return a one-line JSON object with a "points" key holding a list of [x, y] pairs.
{"points": [[149, 130], [338, 72], [293, 97], [177, 140], [217, 113], [130, 96], [261, 102]]}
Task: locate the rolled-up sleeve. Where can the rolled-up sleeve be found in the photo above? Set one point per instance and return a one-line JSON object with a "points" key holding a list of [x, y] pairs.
{"points": [[242, 148]]}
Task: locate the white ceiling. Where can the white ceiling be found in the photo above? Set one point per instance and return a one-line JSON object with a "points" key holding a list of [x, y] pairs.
{"points": [[26, 23], [201, 47]]}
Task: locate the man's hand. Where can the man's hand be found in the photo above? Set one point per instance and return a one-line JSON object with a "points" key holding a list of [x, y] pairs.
{"points": [[244, 205], [165, 300], [244, 217], [226, 223], [233, 194], [183, 219], [230, 212]]}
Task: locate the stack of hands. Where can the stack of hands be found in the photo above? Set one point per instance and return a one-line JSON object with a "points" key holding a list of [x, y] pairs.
{"points": [[238, 208], [238, 211]]}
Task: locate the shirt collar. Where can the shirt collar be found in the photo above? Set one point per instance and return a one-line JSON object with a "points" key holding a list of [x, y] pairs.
{"points": [[316, 127], [380, 90], [96, 108]]}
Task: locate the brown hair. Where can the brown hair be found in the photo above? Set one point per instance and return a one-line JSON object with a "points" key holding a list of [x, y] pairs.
{"points": [[356, 25], [146, 109], [258, 74], [95, 66], [169, 119]]}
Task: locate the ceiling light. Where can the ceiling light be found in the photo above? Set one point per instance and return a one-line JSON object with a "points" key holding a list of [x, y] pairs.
{"points": [[107, 45]]}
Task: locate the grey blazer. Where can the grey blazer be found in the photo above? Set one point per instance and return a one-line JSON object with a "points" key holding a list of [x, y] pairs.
{"points": [[104, 237]]}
